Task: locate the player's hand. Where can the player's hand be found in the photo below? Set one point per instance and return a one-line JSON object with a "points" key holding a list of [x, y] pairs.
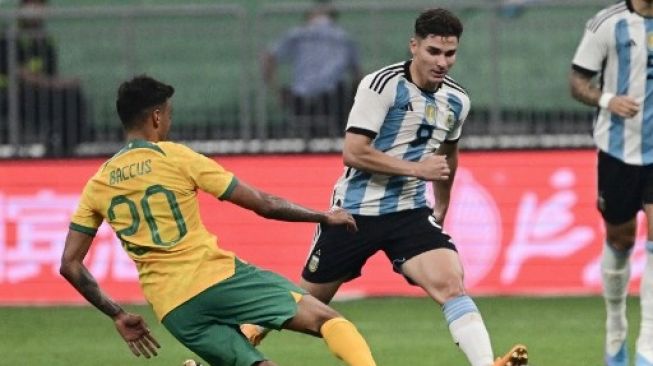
{"points": [[135, 332], [338, 216], [434, 167], [623, 106]]}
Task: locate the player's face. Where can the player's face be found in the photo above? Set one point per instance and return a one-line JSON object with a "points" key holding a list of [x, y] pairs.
{"points": [[165, 120], [433, 57]]}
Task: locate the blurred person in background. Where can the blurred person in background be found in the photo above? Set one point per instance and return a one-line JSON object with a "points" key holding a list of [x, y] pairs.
{"points": [[402, 134], [515, 8], [50, 107], [147, 193], [325, 69], [617, 49]]}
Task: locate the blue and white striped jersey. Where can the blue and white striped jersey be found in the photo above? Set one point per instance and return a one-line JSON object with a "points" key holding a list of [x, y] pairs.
{"points": [[618, 43], [404, 122]]}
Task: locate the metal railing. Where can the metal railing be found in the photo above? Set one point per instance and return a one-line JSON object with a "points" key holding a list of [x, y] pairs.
{"points": [[512, 60]]}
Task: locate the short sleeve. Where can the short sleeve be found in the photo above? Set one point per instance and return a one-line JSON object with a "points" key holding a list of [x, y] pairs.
{"points": [[371, 104], [592, 50], [86, 218], [205, 173]]}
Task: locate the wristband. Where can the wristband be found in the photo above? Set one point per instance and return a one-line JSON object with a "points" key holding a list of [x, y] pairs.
{"points": [[605, 100]]}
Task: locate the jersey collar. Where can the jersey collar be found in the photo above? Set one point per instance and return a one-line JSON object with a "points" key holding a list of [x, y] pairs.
{"points": [[410, 79], [140, 144]]}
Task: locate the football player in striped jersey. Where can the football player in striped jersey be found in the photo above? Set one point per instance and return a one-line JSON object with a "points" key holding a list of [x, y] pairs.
{"points": [[402, 134], [617, 50]]}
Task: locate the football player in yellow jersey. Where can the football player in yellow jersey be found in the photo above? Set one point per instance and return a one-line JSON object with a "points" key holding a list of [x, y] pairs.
{"points": [[147, 192]]}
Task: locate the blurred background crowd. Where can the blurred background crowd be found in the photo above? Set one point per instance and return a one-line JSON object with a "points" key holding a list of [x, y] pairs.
{"points": [[257, 76]]}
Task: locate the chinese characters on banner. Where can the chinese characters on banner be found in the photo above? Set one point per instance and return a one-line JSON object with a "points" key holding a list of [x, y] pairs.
{"points": [[523, 222]]}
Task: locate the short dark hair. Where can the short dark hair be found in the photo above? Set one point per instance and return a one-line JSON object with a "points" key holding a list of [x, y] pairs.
{"points": [[137, 96], [438, 22]]}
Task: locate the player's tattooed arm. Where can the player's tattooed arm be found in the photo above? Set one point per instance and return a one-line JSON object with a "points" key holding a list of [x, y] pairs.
{"points": [[270, 206], [583, 89], [277, 208], [86, 284], [73, 269], [280, 209]]}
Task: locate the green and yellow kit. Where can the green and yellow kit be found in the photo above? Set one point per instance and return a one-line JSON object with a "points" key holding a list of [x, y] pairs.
{"points": [[147, 192]]}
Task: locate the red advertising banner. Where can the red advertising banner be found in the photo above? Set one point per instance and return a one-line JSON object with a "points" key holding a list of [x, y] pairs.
{"points": [[524, 223]]}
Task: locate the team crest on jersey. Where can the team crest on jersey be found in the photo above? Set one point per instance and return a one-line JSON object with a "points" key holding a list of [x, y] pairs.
{"points": [[445, 118], [451, 120], [430, 113]]}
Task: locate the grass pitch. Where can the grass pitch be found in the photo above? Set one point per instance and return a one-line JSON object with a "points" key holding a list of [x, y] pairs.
{"points": [[401, 331]]}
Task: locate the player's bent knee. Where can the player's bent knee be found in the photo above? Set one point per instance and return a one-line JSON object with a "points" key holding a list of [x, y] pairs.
{"points": [[311, 315], [444, 289]]}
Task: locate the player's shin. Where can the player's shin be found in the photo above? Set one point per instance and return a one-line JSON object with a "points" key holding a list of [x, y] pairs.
{"points": [[615, 271], [344, 340], [468, 330]]}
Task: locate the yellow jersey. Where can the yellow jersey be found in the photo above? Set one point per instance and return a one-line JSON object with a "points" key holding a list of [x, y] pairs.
{"points": [[147, 192]]}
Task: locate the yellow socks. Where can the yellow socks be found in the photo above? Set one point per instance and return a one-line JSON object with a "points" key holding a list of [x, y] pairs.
{"points": [[346, 342]]}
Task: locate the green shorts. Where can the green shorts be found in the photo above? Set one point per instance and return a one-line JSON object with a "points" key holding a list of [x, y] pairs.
{"points": [[208, 324]]}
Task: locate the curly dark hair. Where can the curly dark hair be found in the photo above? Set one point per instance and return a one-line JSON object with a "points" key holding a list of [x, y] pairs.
{"points": [[438, 22]]}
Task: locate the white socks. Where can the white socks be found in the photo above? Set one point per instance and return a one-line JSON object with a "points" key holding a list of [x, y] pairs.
{"points": [[615, 270], [468, 331], [645, 340]]}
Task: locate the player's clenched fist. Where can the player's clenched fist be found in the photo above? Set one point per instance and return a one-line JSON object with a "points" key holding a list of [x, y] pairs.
{"points": [[624, 106], [434, 167]]}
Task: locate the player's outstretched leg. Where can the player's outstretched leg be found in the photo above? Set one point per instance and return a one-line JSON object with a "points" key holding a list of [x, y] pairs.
{"points": [[341, 336], [344, 341], [517, 356]]}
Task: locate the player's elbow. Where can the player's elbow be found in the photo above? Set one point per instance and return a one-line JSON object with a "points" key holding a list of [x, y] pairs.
{"points": [[577, 85], [573, 91], [353, 159], [348, 159], [67, 267]]}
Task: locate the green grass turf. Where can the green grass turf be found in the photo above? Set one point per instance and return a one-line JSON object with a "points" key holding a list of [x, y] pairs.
{"points": [[401, 331]]}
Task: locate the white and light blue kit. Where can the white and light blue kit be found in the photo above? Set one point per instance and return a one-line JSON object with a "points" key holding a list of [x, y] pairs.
{"points": [[618, 44], [405, 122]]}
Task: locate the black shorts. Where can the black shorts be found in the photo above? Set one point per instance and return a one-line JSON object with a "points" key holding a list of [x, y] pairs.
{"points": [[623, 188], [338, 254]]}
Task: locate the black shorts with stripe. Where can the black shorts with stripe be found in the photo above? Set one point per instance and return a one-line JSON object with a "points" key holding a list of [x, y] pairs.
{"points": [[339, 254], [623, 188]]}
